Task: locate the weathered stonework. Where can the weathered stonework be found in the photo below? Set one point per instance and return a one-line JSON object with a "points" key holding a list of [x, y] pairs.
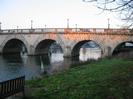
{"points": [[68, 40]]}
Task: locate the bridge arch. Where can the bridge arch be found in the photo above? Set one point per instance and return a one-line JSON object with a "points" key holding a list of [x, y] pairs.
{"points": [[16, 40], [46, 41], [76, 47], [43, 46], [119, 47]]}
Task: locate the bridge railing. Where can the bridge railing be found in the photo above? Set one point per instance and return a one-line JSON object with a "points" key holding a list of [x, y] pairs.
{"points": [[63, 30]]}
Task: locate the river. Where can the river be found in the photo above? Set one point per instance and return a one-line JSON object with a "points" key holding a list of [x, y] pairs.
{"points": [[12, 66]]}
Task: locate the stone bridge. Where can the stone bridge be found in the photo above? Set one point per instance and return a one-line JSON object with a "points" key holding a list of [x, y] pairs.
{"points": [[38, 41]]}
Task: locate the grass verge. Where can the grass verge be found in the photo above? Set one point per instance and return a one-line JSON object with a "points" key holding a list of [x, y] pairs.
{"points": [[104, 79]]}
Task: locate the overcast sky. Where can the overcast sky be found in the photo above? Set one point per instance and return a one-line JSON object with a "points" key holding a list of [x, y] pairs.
{"points": [[54, 13]]}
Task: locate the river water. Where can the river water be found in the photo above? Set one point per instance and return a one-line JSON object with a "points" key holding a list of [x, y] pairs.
{"points": [[12, 66]]}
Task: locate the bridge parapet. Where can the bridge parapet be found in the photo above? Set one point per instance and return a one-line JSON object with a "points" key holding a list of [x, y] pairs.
{"points": [[65, 30]]}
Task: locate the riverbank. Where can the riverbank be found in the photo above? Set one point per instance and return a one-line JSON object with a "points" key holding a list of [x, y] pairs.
{"points": [[104, 79]]}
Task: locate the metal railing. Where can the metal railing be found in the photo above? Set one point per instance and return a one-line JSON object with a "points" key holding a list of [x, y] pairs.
{"points": [[11, 87], [63, 30]]}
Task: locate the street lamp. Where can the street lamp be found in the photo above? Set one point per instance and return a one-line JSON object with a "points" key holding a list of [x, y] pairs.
{"points": [[31, 24], [67, 23], [76, 27], [17, 28], [0, 25], [108, 23], [45, 26]]}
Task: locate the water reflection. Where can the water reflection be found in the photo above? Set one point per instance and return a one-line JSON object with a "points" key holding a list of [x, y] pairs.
{"points": [[34, 66]]}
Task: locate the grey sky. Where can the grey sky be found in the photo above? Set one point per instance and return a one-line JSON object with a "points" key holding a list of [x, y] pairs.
{"points": [[53, 13]]}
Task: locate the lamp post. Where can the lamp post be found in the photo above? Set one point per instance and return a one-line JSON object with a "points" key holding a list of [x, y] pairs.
{"points": [[76, 27], [31, 24], [108, 23], [17, 28], [0, 25], [45, 26], [67, 23]]}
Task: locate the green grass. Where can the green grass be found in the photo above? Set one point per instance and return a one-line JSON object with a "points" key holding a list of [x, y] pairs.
{"points": [[104, 79]]}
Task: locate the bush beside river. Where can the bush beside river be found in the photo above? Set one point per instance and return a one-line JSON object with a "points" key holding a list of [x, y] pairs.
{"points": [[103, 79]]}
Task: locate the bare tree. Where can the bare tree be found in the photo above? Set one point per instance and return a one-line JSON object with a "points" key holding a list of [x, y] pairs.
{"points": [[123, 7]]}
